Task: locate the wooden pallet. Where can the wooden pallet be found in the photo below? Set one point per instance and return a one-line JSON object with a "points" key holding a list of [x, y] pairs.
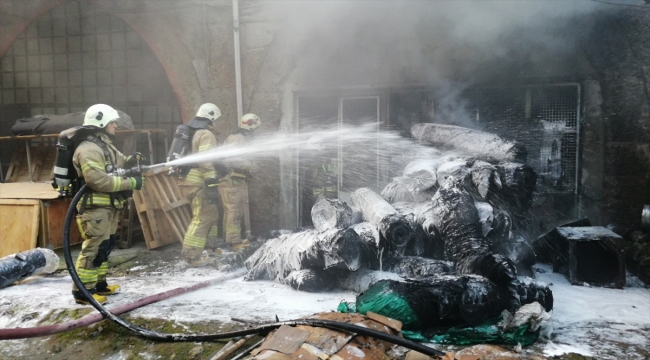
{"points": [[162, 210], [43, 155]]}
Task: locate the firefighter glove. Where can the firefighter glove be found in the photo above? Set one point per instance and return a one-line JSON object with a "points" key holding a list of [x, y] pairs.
{"points": [[132, 160], [137, 183], [212, 190]]}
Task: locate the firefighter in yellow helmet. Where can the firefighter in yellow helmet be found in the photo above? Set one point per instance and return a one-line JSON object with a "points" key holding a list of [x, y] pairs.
{"points": [[233, 187], [199, 186], [94, 160]]}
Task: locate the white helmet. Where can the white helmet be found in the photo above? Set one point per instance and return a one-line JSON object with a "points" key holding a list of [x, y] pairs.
{"points": [[100, 115], [209, 111], [249, 121]]}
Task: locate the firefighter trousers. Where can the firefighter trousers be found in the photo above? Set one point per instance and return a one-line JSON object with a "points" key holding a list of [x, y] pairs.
{"points": [[234, 198], [204, 216], [97, 227]]}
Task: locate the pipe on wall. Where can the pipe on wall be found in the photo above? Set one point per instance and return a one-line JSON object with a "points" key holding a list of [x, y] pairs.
{"points": [[235, 20]]}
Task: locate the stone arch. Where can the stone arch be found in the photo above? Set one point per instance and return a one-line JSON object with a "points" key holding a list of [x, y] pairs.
{"points": [[59, 57]]}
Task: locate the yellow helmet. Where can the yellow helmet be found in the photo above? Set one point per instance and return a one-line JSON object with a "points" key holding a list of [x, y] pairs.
{"points": [[249, 121]]}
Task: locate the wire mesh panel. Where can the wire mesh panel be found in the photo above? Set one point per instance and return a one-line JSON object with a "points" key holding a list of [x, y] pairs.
{"points": [[358, 164], [545, 120]]}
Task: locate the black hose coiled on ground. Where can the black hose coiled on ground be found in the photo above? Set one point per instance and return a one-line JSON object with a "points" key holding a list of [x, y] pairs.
{"points": [[177, 337]]}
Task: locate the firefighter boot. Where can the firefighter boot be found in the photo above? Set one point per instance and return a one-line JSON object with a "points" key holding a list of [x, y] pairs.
{"points": [[80, 299], [239, 245], [196, 261], [104, 289]]}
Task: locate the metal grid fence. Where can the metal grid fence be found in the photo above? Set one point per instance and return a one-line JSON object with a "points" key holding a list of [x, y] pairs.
{"points": [[544, 119]]}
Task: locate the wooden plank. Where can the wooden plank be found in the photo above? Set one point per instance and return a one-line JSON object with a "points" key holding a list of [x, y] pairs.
{"points": [[286, 339], [27, 191], [175, 204], [391, 323], [144, 218], [19, 224], [328, 341]]}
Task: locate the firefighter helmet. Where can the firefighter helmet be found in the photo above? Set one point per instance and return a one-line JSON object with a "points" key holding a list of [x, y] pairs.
{"points": [[249, 121], [209, 111], [100, 115]]}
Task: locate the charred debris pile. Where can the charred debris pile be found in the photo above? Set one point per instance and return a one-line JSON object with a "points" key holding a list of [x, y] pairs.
{"points": [[445, 237]]}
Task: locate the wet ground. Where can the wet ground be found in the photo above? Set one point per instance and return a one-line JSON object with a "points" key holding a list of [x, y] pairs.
{"points": [[158, 270]]}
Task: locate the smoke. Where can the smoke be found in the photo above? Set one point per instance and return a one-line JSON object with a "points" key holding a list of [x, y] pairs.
{"points": [[448, 45]]}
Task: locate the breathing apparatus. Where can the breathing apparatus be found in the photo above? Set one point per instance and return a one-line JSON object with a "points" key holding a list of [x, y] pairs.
{"points": [[181, 146]]}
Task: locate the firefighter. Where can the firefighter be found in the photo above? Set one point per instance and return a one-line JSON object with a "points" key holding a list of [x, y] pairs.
{"points": [[94, 159], [199, 186], [324, 176], [233, 187]]}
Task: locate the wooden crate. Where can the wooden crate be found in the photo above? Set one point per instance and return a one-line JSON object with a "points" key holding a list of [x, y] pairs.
{"points": [[52, 221], [162, 210], [17, 203], [19, 224]]}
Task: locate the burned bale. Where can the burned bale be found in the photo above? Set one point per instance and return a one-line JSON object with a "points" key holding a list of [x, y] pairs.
{"points": [[485, 178], [439, 301], [521, 254], [423, 171], [19, 266], [499, 236], [445, 301], [414, 267], [518, 182], [362, 279], [482, 145], [333, 213], [311, 249], [532, 291], [405, 189], [502, 242], [395, 232], [369, 235], [420, 245], [455, 219], [310, 280], [435, 248], [485, 216], [457, 169]]}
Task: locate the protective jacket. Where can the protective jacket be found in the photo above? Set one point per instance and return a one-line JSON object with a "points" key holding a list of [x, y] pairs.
{"points": [[238, 167], [202, 140], [91, 160], [234, 191]]}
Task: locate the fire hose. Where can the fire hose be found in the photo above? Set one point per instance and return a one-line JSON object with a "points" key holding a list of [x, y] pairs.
{"points": [[180, 337]]}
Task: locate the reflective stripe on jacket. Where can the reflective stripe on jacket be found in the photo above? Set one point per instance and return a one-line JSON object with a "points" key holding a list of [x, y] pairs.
{"points": [[90, 163], [202, 140]]}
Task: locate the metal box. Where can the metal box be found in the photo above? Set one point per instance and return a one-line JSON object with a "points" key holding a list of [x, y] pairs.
{"points": [[590, 254]]}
